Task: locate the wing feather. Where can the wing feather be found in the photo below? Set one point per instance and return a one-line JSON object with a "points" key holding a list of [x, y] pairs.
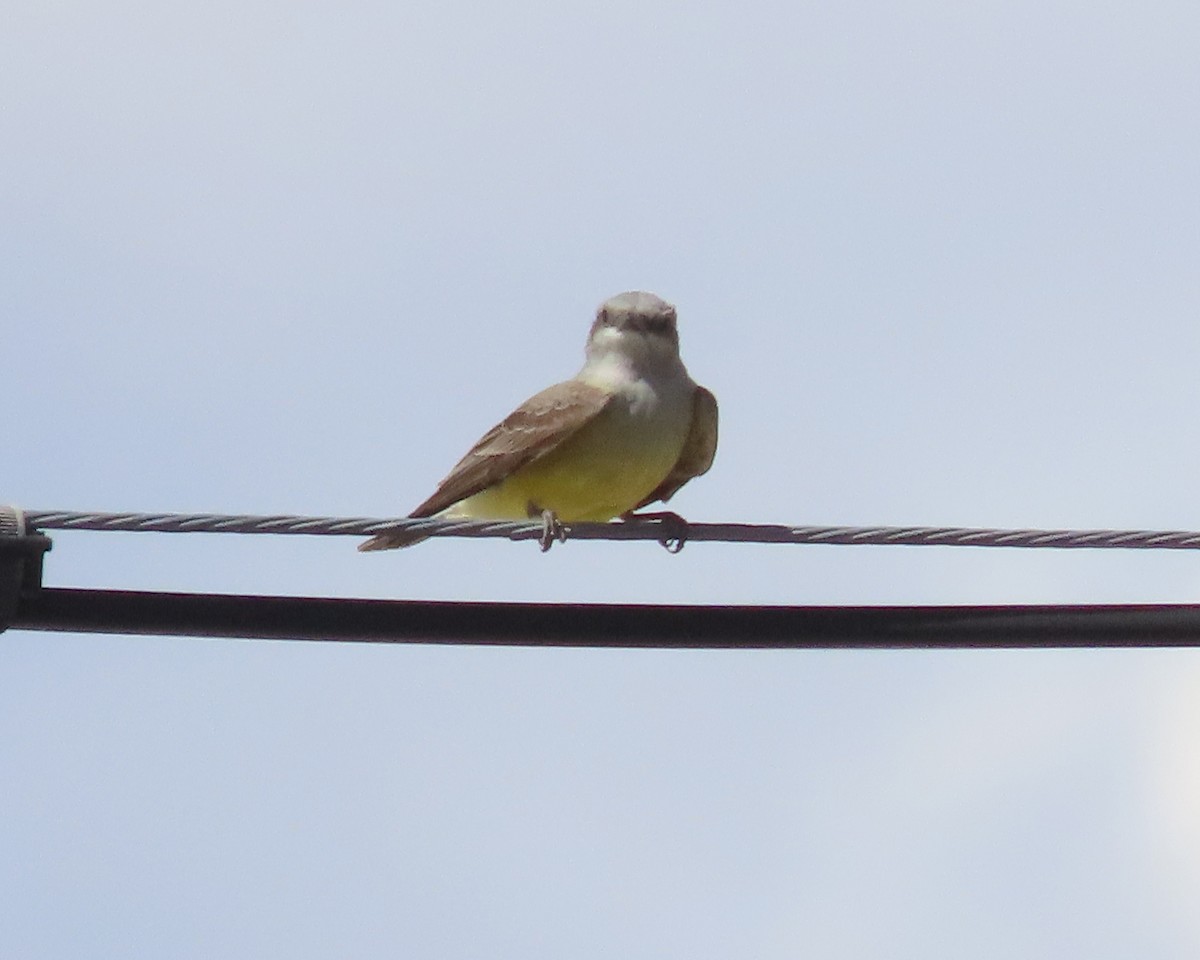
{"points": [[698, 451], [535, 428]]}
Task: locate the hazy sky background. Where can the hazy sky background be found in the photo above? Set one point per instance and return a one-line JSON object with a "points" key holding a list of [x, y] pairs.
{"points": [[939, 262]]}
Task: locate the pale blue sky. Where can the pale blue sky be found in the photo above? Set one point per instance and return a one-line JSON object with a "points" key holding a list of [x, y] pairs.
{"points": [[937, 261]]}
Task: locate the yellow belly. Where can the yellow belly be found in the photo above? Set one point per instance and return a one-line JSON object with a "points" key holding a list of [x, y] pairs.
{"points": [[603, 471]]}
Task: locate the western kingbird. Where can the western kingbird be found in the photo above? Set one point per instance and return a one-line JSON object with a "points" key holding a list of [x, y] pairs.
{"points": [[629, 429]]}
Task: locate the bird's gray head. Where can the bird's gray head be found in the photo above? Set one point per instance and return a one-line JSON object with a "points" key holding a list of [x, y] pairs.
{"points": [[635, 318]]}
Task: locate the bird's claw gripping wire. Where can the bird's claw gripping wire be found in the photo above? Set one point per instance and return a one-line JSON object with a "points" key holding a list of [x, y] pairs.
{"points": [[552, 529], [674, 527]]}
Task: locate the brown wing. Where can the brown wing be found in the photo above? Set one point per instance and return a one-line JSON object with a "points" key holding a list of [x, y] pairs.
{"points": [[535, 428], [698, 451]]}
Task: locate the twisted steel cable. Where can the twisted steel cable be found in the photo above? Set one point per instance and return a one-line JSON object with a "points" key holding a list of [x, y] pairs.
{"points": [[662, 532]]}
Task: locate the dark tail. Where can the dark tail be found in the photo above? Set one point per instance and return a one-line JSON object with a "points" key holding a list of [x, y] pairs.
{"points": [[392, 540]]}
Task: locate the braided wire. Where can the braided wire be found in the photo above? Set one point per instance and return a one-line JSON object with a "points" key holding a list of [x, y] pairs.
{"points": [[643, 530]]}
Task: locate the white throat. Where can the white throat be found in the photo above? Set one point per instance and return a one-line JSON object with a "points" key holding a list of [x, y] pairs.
{"points": [[633, 355]]}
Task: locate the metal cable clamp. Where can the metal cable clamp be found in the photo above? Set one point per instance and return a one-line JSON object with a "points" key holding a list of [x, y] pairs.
{"points": [[21, 554]]}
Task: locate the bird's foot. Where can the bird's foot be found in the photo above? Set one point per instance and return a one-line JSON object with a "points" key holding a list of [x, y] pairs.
{"points": [[675, 528], [552, 529]]}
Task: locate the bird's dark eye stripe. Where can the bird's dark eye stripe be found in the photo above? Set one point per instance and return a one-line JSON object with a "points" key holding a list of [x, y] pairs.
{"points": [[653, 323]]}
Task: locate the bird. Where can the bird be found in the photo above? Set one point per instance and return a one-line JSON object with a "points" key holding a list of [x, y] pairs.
{"points": [[628, 430]]}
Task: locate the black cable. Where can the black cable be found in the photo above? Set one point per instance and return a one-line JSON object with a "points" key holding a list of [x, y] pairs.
{"points": [[605, 625]]}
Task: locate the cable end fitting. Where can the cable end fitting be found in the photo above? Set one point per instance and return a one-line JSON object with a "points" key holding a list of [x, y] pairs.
{"points": [[21, 554]]}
